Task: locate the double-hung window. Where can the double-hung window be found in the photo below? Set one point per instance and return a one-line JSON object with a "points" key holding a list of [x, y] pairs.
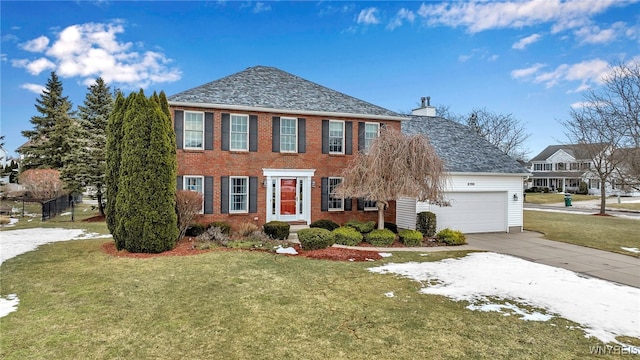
{"points": [[335, 202], [238, 194], [239, 132], [370, 205], [288, 134], [336, 137], [194, 183], [371, 132], [193, 130]]}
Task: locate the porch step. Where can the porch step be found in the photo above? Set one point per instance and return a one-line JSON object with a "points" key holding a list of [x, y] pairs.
{"points": [[293, 232]]}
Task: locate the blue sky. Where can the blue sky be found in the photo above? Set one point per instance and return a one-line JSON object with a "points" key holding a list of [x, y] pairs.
{"points": [[533, 59]]}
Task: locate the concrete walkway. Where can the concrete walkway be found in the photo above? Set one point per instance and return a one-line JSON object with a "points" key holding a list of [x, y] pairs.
{"points": [[531, 246]]}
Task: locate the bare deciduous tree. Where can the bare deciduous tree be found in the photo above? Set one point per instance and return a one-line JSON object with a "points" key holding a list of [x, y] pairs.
{"points": [[502, 130], [396, 166], [42, 185], [188, 206]]}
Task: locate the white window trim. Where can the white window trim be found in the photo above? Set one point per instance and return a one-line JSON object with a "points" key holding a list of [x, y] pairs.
{"points": [[366, 151], [295, 142], [329, 208], [370, 208], [184, 129], [246, 116], [184, 186], [231, 193], [343, 136]]}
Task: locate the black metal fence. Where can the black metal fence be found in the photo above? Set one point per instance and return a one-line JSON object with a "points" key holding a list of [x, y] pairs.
{"points": [[55, 207]]}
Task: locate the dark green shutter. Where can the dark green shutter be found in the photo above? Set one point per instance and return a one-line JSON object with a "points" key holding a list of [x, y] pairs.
{"points": [[253, 132], [208, 131], [325, 136], [324, 186], [302, 135], [224, 194], [275, 134], [253, 194], [360, 203], [348, 134], [225, 130], [347, 204], [179, 183], [178, 123], [208, 194], [361, 129]]}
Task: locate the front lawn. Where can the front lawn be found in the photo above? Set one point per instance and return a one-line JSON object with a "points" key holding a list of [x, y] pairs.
{"points": [[76, 302], [599, 232], [553, 198]]}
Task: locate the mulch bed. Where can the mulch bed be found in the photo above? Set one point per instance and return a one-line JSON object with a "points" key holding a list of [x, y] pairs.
{"points": [[97, 218]]}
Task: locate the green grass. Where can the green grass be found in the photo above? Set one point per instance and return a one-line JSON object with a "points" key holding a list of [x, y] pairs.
{"points": [[628, 206], [599, 232], [552, 198], [78, 303]]}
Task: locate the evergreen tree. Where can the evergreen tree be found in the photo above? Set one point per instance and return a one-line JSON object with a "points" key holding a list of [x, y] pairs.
{"points": [[49, 140], [85, 165], [145, 217], [113, 158]]}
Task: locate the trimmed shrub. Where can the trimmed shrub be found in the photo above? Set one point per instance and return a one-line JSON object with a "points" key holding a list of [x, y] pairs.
{"points": [[451, 237], [277, 229], [222, 225], [195, 229], [410, 237], [426, 223], [362, 226], [382, 237], [247, 229], [324, 224], [583, 189], [347, 236], [315, 238], [391, 226]]}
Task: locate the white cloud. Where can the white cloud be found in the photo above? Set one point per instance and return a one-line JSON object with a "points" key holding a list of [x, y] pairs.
{"points": [[9, 38], [38, 44], [261, 7], [92, 49], [587, 72], [34, 88], [3, 57], [593, 34], [526, 72], [480, 53], [481, 16], [368, 16], [402, 16], [526, 41]]}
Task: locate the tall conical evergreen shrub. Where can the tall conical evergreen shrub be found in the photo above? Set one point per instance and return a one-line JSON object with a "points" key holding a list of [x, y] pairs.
{"points": [[113, 155], [145, 214]]}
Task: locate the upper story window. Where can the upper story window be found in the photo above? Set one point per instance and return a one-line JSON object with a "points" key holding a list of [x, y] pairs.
{"points": [[335, 203], [336, 137], [239, 132], [561, 166], [537, 167], [288, 134], [542, 167], [194, 183], [193, 130], [574, 166], [238, 194], [371, 132]]}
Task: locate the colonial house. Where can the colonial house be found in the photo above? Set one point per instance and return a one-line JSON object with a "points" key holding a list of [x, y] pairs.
{"points": [[263, 144], [563, 167], [484, 189]]}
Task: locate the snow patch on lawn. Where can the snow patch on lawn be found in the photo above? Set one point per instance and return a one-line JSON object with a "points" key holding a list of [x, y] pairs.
{"points": [[603, 309], [633, 250], [286, 250], [385, 255], [8, 304]]}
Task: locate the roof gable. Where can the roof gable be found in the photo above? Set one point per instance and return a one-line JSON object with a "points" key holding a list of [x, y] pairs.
{"points": [[461, 148], [577, 151], [267, 89]]}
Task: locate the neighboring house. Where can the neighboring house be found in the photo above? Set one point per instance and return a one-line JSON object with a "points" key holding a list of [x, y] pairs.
{"points": [[485, 187], [263, 144], [4, 160], [563, 167]]}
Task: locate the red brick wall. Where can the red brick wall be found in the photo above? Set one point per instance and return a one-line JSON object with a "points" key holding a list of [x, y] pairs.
{"points": [[218, 163]]}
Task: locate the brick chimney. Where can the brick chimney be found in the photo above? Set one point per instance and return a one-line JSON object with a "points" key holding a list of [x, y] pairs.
{"points": [[425, 108]]}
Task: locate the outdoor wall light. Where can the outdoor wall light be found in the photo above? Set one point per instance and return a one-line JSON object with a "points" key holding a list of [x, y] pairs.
{"points": [[515, 197], [264, 183], [313, 183]]}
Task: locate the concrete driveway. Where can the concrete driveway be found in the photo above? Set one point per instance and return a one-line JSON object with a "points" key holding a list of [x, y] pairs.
{"points": [[531, 246]]}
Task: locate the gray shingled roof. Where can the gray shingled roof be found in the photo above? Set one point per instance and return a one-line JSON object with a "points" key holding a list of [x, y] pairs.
{"points": [[272, 88], [462, 149], [578, 151]]}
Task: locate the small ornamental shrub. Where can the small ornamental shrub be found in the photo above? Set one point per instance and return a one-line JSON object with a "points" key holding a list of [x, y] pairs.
{"points": [[214, 234], [247, 229], [391, 226], [347, 236], [362, 226], [324, 224], [195, 229], [410, 237], [382, 237], [315, 238], [451, 237], [426, 223], [545, 190], [583, 189], [222, 225], [276, 229]]}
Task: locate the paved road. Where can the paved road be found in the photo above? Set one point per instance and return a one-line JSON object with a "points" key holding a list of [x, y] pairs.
{"points": [[582, 210]]}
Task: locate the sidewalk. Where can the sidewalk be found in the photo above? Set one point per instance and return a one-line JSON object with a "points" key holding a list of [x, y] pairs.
{"points": [[531, 246]]}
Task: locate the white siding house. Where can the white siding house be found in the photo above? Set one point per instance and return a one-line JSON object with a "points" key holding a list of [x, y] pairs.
{"points": [[485, 187]]}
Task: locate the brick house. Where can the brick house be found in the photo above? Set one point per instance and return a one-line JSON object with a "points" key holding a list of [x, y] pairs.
{"points": [[263, 144]]}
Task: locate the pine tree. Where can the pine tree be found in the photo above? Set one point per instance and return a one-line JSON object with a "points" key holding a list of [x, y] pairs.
{"points": [[85, 165], [145, 217], [113, 159], [49, 140]]}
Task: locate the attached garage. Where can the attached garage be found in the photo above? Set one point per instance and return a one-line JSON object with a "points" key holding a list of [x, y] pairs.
{"points": [[474, 212]]}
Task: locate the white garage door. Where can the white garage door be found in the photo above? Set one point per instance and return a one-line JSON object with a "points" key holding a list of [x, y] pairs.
{"points": [[474, 212]]}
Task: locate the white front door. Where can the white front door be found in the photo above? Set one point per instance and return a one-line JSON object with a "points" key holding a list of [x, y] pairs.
{"points": [[288, 194]]}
